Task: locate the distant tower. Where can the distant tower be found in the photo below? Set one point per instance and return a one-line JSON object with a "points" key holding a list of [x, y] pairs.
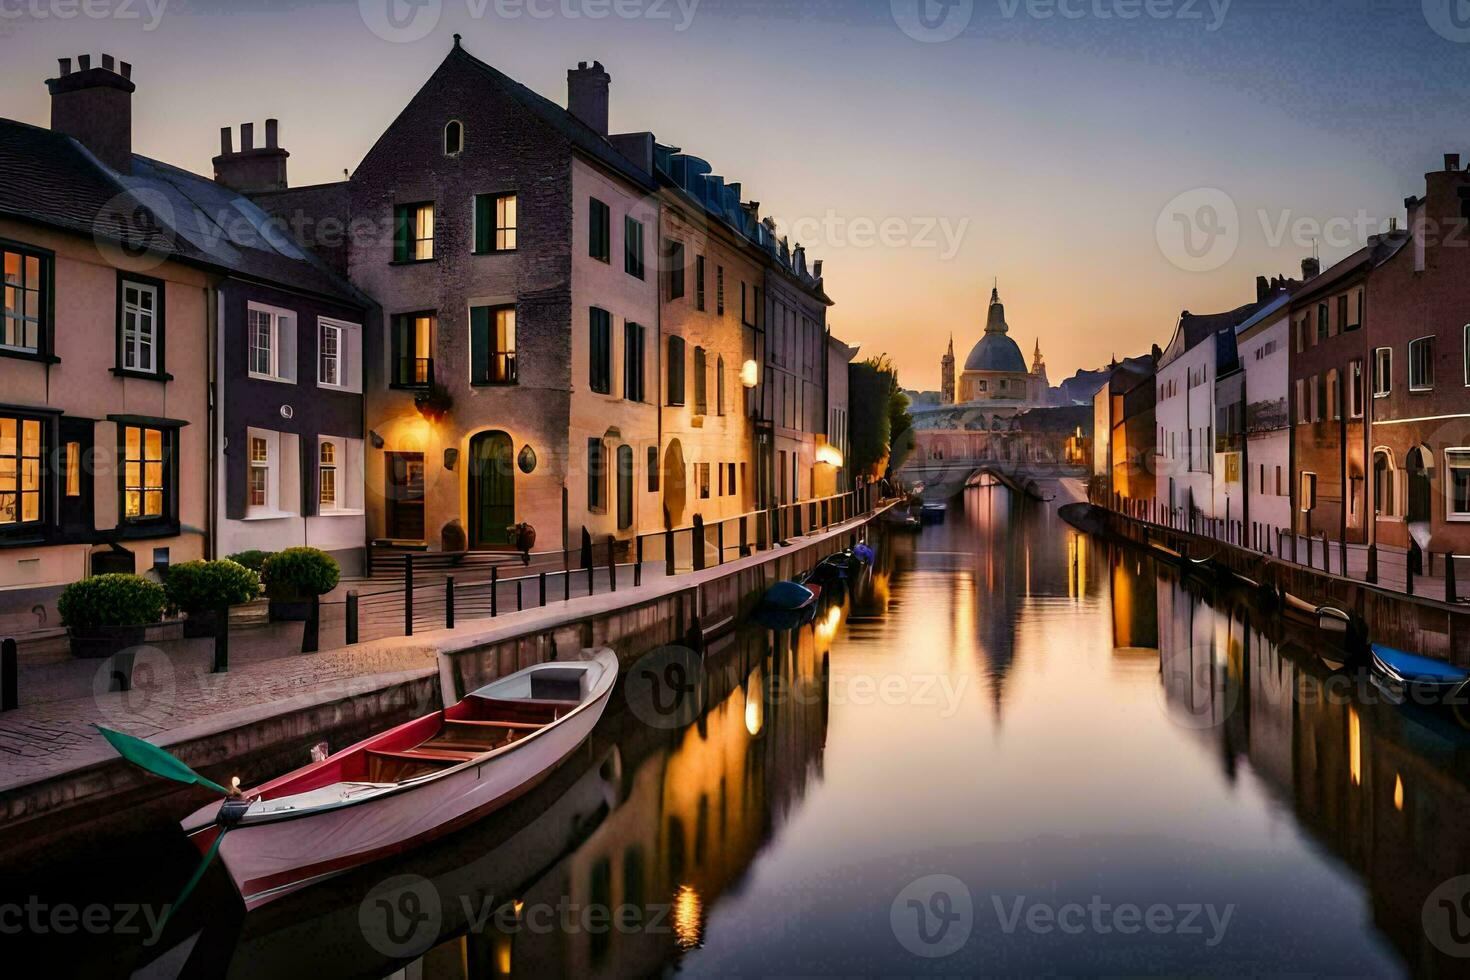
{"points": [[946, 375], [1040, 384]]}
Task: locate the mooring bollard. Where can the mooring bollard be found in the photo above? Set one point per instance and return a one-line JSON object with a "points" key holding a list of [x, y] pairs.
{"points": [[668, 551], [520, 603], [542, 582], [310, 633], [637, 560], [744, 538], [612, 562], [9, 675], [1451, 590], [449, 602], [352, 617], [697, 548]]}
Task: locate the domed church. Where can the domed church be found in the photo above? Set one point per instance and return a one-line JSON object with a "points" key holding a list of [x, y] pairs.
{"points": [[995, 373]]}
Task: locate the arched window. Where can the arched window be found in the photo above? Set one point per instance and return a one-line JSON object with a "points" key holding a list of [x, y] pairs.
{"points": [[1385, 484], [453, 138]]}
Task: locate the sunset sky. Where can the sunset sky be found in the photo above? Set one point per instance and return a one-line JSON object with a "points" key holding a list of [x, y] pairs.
{"points": [[1036, 148]]}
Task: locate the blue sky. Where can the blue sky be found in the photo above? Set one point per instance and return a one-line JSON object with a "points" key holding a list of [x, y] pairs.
{"points": [[1040, 145]]}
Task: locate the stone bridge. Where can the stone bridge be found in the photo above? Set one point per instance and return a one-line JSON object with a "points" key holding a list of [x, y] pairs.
{"points": [[944, 478]]}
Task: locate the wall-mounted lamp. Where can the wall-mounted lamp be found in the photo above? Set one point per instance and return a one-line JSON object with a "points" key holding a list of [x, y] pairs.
{"points": [[830, 455], [451, 458], [375, 439], [750, 374]]}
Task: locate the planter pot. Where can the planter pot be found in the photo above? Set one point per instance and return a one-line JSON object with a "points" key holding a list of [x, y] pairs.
{"points": [[524, 540], [290, 610], [201, 624], [104, 641]]}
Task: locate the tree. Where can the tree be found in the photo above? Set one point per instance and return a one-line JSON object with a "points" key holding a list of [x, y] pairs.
{"points": [[878, 420]]}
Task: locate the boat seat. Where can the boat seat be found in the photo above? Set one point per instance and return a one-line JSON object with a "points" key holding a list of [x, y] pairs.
{"points": [[511, 725], [451, 756]]}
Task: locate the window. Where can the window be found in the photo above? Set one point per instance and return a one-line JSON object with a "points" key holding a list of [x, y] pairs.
{"points": [[599, 231], [625, 487], [730, 475], [1466, 349], [633, 358], [633, 247], [1355, 389], [701, 399], [676, 370], [1322, 322], [144, 463], [73, 469], [27, 299], [495, 223], [699, 295], [326, 482], [1457, 469], [596, 499], [272, 337], [453, 138], [1333, 410], [720, 385], [329, 365], [413, 239], [413, 350], [493, 345], [1382, 372], [1421, 364], [676, 270], [701, 476], [720, 290], [20, 471], [599, 347], [1309, 492], [260, 471], [1342, 314], [140, 325], [653, 469], [339, 355], [1385, 484]]}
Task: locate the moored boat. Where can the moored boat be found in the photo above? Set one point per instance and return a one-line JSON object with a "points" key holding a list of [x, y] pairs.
{"points": [[406, 786], [787, 605], [1409, 678]]}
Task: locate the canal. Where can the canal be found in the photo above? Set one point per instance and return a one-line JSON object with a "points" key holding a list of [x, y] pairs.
{"points": [[1010, 750]]}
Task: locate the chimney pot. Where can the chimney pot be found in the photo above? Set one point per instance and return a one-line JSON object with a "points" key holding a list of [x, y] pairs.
{"points": [[65, 65], [272, 132], [127, 69], [95, 109], [84, 62], [1452, 161], [1311, 268], [107, 62], [247, 136], [226, 141], [587, 90]]}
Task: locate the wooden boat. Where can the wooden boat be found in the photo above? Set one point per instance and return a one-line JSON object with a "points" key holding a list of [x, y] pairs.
{"points": [[408, 785], [787, 605], [1410, 678]]}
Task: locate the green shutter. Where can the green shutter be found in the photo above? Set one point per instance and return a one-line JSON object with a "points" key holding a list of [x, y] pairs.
{"points": [[482, 222], [481, 318], [400, 234]]}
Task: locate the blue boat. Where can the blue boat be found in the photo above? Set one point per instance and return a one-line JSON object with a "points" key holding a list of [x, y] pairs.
{"points": [[1410, 678], [787, 605]]}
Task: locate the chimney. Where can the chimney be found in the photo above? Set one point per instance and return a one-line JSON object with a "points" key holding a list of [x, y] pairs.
{"points": [[587, 95], [1311, 268], [94, 106], [253, 168], [1263, 288], [1452, 161]]}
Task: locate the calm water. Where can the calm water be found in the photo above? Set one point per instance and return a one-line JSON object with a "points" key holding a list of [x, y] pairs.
{"points": [[1108, 770]]}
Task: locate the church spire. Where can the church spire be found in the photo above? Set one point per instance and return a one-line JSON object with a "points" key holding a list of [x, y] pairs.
{"points": [[995, 320]]}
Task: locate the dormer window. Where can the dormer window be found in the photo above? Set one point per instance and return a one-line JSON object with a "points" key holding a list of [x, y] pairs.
{"points": [[453, 138]]}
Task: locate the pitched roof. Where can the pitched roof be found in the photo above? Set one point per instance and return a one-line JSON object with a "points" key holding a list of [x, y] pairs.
{"points": [[1193, 330], [1380, 249], [574, 130], [55, 181]]}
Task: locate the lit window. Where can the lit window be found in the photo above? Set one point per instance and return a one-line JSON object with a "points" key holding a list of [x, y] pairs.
{"points": [[327, 476], [73, 469], [414, 233], [495, 223], [143, 473], [20, 471], [1355, 389], [1309, 492], [260, 471], [413, 350], [1421, 364], [493, 345]]}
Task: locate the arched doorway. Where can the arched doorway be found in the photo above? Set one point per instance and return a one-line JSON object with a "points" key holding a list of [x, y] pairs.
{"points": [[673, 480], [1420, 466], [492, 489], [1385, 484]]}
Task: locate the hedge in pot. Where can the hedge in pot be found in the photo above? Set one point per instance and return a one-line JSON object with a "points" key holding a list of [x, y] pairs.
{"points": [[108, 613], [253, 560], [294, 578], [203, 588]]}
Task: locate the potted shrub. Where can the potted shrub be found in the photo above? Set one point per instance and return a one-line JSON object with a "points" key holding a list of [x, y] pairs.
{"points": [[252, 560], [294, 578], [522, 539], [203, 588], [108, 613]]}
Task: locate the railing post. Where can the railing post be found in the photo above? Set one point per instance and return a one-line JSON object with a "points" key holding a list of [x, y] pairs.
{"points": [[352, 617], [494, 591], [449, 602], [1451, 591], [520, 601], [697, 548], [762, 530], [9, 675], [612, 562], [1409, 570], [1373, 564], [637, 560], [668, 551], [542, 577], [744, 537], [796, 520], [720, 542], [310, 634], [221, 642], [408, 595]]}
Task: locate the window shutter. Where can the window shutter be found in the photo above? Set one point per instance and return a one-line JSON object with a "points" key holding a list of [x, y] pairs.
{"points": [[480, 324], [310, 475], [676, 370], [400, 235], [484, 233]]}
